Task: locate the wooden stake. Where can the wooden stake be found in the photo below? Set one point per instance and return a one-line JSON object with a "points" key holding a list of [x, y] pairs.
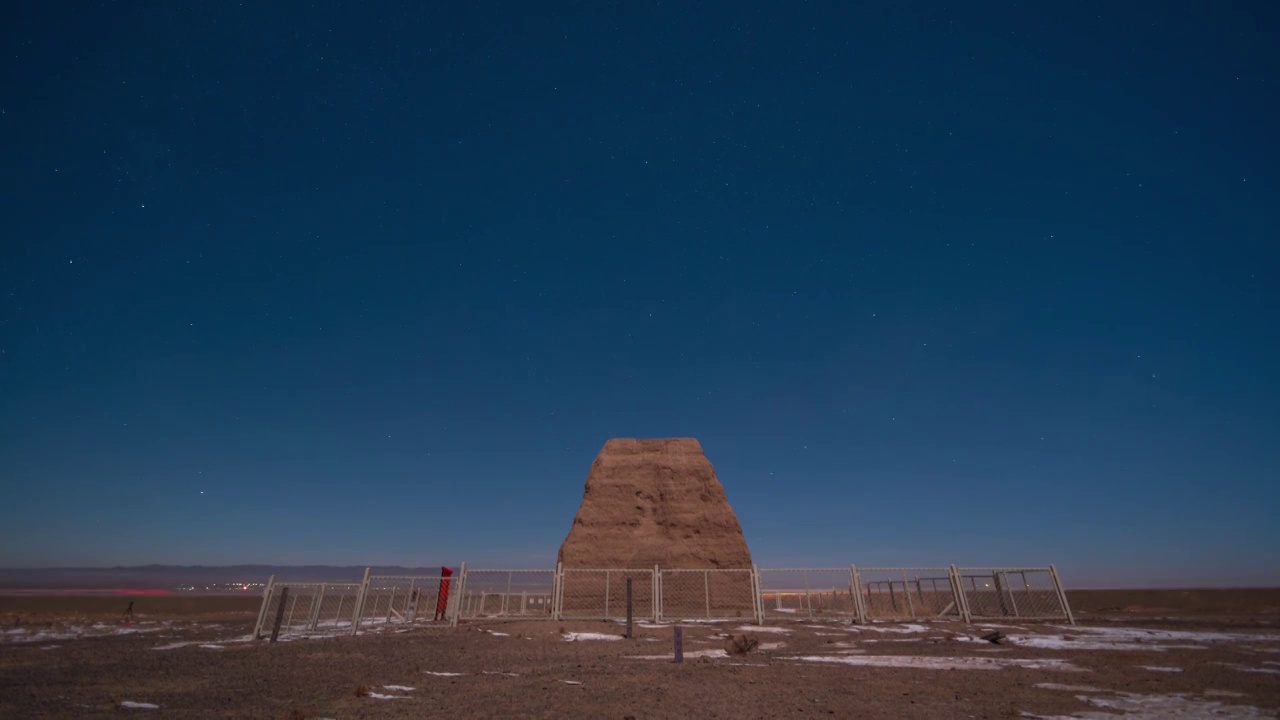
{"points": [[630, 632]]}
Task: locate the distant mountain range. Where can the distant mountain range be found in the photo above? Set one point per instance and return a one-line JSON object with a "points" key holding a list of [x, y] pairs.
{"points": [[180, 576]]}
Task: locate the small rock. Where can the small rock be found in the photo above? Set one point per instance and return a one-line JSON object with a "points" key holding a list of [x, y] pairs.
{"points": [[995, 636]]}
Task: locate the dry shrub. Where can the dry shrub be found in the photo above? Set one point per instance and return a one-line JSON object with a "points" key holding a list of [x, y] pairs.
{"points": [[362, 691], [740, 644]]}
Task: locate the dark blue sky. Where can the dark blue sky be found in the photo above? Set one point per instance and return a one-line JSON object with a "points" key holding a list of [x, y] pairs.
{"points": [[373, 282]]}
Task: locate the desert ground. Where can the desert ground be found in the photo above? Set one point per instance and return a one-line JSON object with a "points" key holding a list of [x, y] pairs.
{"points": [[1135, 653]]}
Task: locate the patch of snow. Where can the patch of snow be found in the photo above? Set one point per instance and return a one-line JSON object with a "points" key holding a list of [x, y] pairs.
{"points": [[442, 674], [175, 645], [942, 663], [401, 688], [687, 655], [209, 646], [1068, 688], [570, 682], [908, 628], [771, 646], [50, 647], [1148, 635], [380, 696], [782, 610], [499, 634], [495, 672], [131, 705], [1116, 642], [576, 636], [1154, 707], [1158, 668], [764, 629], [1246, 668]]}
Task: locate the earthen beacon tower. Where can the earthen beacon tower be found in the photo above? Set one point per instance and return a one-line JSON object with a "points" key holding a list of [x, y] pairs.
{"points": [[654, 502]]}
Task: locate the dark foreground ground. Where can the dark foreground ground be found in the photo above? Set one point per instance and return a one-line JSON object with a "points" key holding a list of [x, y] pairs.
{"points": [[1138, 654]]}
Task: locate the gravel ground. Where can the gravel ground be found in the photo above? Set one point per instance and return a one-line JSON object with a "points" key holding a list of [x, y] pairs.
{"points": [[194, 666]]}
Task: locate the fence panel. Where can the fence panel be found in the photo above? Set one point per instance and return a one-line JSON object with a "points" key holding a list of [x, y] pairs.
{"points": [[807, 592], [908, 593], [588, 594], [1026, 593], [861, 594], [712, 594], [525, 594], [402, 599], [309, 607]]}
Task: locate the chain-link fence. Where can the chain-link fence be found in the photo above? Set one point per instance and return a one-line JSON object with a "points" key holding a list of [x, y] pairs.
{"points": [[602, 594], [707, 594], [306, 607], [526, 594], [852, 593], [394, 599], [407, 598], [807, 592], [1027, 593], [907, 593]]}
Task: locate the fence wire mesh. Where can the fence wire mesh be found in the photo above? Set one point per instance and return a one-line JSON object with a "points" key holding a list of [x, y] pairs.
{"points": [[602, 594], [395, 599], [1028, 593], [308, 607], [526, 594], [856, 593], [707, 594], [907, 593], [806, 592]]}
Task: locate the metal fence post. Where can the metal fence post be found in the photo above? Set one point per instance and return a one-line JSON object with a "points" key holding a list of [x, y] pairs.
{"points": [[457, 592], [359, 604], [1013, 601], [962, 602], [1062, 595], [557, 591], [262, 611], [657, 595], [855, 590], [316, 601], [757, 592], [807, 598], [706, 590], [275, 629], [507, 595]]}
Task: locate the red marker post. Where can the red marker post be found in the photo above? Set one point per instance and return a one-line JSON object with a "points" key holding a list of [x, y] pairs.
{"points": [[442, 600]]}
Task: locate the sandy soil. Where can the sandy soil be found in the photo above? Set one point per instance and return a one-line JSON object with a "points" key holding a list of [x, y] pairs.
{"points": [[194, 660]]}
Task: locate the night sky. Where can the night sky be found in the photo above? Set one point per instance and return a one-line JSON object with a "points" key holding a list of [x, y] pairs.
{"points": [[932, 282]]}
